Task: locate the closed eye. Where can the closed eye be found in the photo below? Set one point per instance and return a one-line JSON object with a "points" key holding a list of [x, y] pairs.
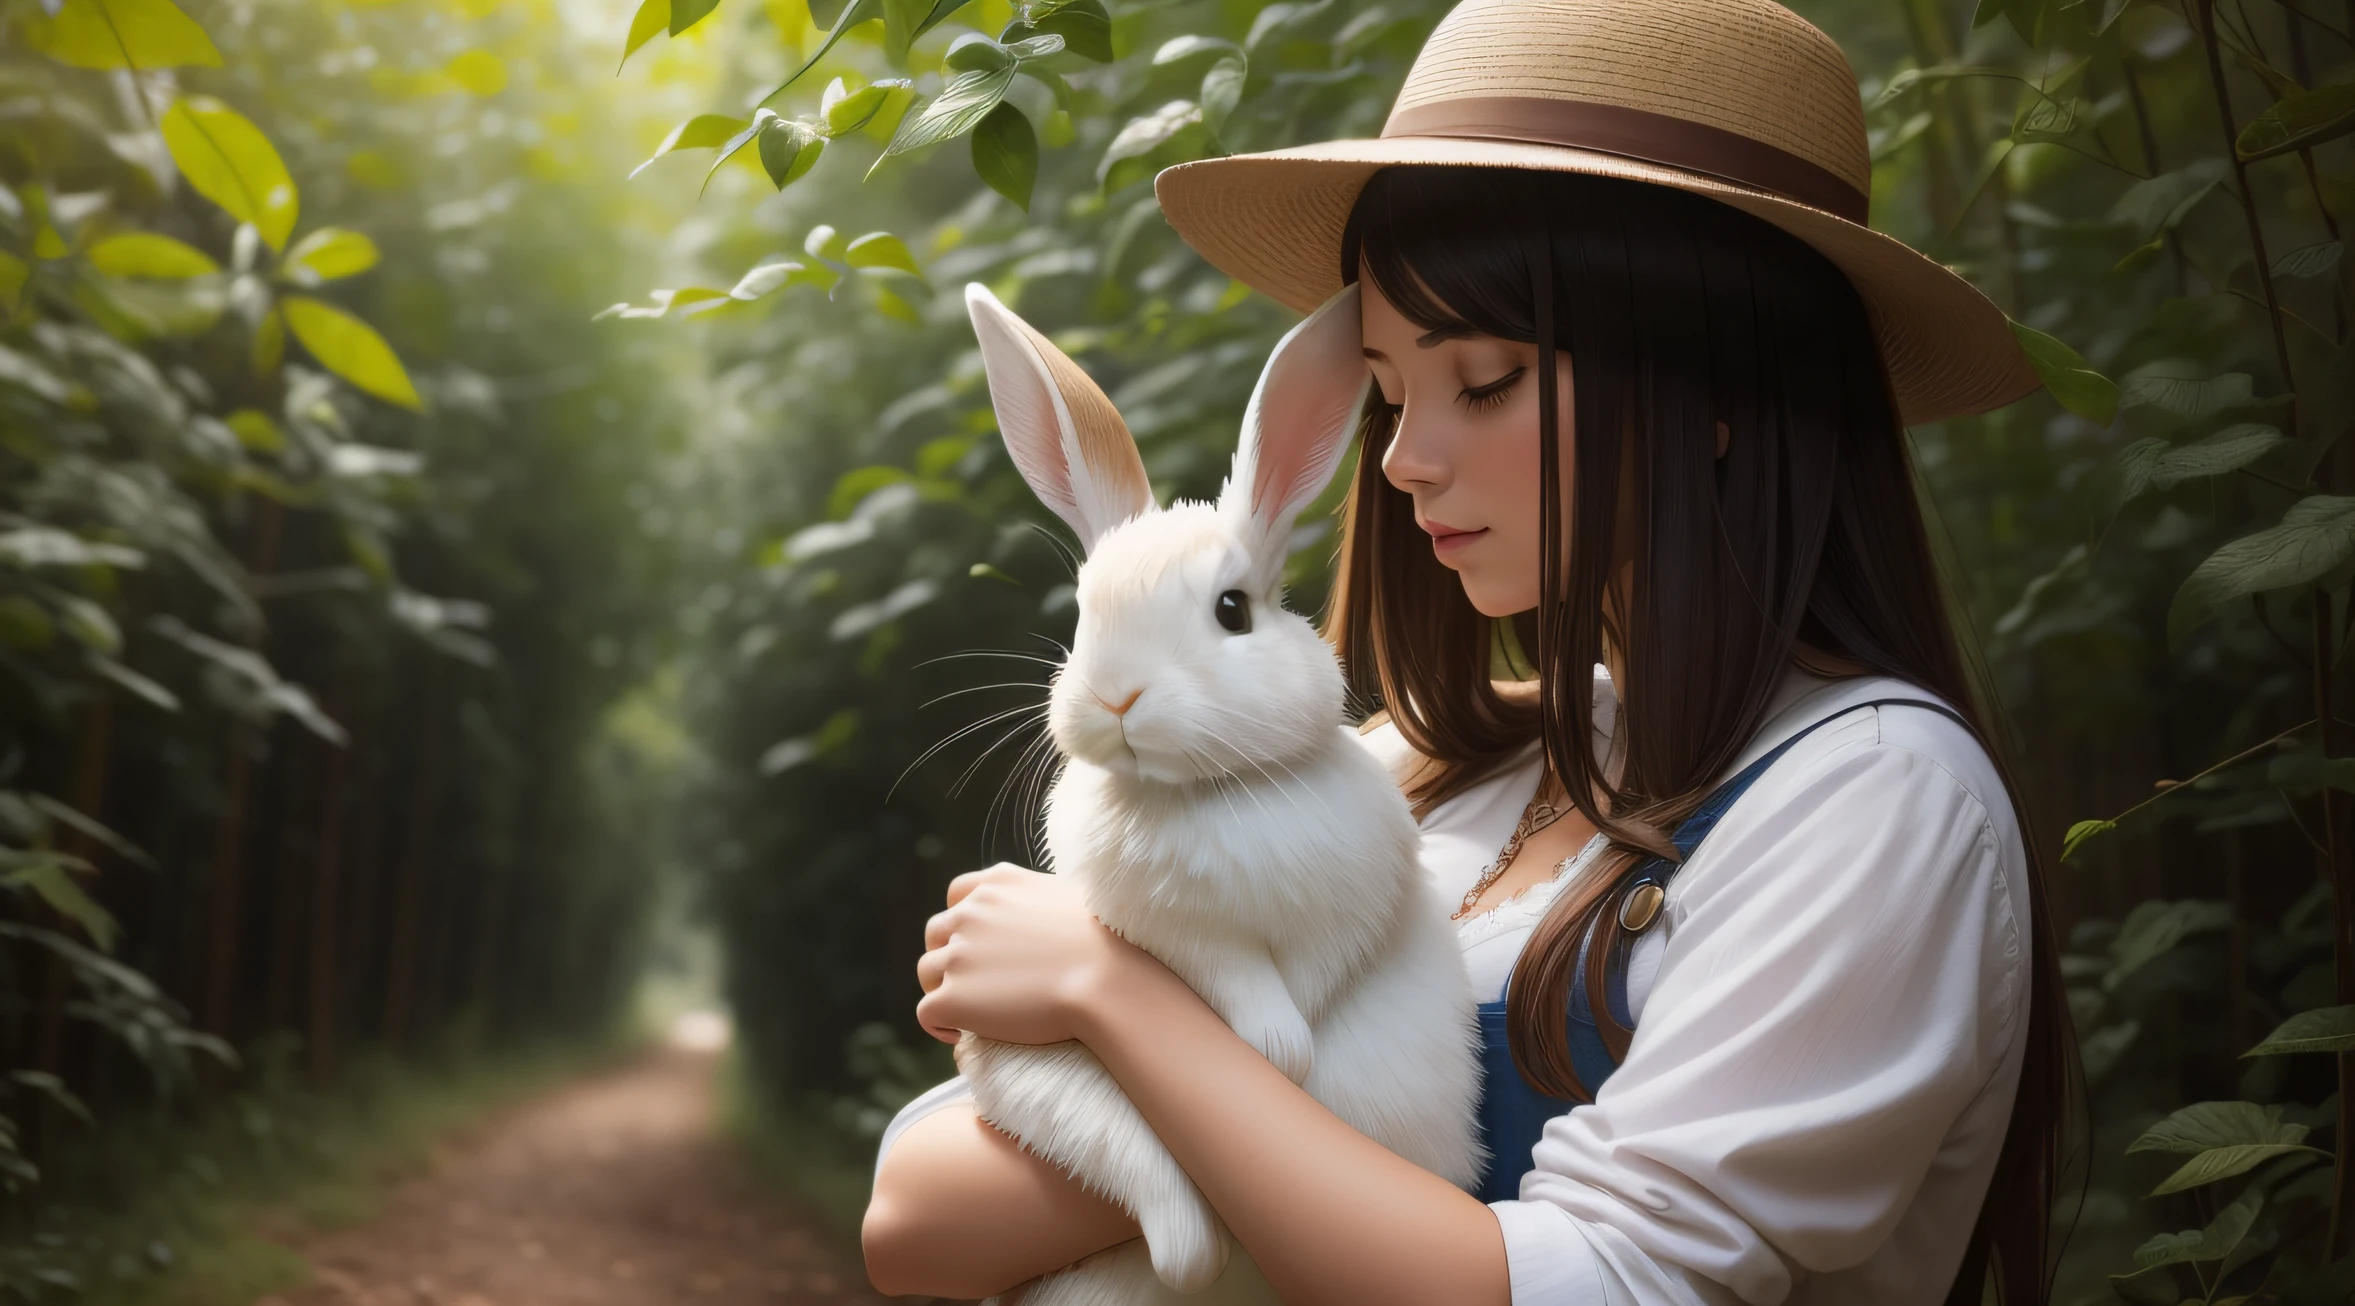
{"points": [[1494, 392]]}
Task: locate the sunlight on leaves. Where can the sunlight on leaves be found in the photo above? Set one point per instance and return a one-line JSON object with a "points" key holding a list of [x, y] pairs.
{"points": [[230, 162], [351, 349]]}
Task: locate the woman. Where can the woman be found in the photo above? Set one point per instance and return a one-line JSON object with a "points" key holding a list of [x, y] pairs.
{"points": [[1643, 374]]}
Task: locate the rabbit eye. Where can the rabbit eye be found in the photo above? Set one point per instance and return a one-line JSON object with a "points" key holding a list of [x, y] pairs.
{"points": [[1233, 610]]}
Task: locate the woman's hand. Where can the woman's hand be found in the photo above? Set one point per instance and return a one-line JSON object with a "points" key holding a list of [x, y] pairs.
{"points": [[1018, 957]]}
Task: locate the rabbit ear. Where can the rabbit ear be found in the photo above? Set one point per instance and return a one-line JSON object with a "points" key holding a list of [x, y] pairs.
{"points": [[1066, 438], [1301, 415]]}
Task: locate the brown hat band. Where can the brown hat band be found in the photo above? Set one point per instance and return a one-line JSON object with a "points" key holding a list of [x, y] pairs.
{"points": [[1639, 134]]}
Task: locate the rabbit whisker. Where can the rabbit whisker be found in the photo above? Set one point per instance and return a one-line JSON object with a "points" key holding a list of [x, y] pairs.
{"points": [[992, 653], [1218, 784], [1250, 791], [1017, 728], [1023, 770], [958, 734], [975, 689]]}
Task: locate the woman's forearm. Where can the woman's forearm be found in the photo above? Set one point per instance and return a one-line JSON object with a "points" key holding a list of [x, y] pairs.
{"points": [[1331, 1216], [960, 1210]]}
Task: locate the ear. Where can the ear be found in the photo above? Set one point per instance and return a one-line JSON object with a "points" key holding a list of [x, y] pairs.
{"points": [[1066, 438], [1302, 412]]}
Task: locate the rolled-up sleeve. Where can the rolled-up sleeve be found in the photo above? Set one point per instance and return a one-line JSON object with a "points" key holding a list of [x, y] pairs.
{"points": [[948, 1092], [1845, 973]]}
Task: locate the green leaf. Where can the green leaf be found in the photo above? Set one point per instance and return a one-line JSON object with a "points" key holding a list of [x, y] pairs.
{"points": [[2069, 377], [2315, 537], [90, 625], [2328, 1029], [145, 254], [25, 624], [328, 254], [53, 1088], [1046, 45], [980, 570], [50, 875], [851, 111], [881, 249], [837, 731], [1173, 133], [2153, 464], [2213, 1243], [959, 107], [686, 13], [230, 162], [2161, 203], [1187, 47], [652, 16], [2307, 769], [269, 343], [2205, 1126], [941, 11], [257, 431], [900, 21], [2080, 833], [687, 297], [74, 819], [1084, 25], [1005, 154], [2166, 386], [108, 34], [477, 72], [788, 149], [859, 11], [766, 278], [824, 242], [702, 131], [2310, 261], [1222, 90], [351, 349], [743, 137], [2153, 929], [14, 273], [132, 681], [2225, 1162], [2298, 121], [975, 53]]}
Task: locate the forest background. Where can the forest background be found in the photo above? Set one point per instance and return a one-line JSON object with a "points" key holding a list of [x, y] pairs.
{"points": [[489, 488]]}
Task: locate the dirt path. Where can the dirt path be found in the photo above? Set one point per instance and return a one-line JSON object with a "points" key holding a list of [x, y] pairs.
{"points": [[609, 1192]]}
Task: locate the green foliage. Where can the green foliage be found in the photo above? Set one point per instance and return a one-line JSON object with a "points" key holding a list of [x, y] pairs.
{"points": [[265, 639]]}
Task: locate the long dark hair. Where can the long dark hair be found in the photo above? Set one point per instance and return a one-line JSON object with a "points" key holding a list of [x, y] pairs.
{"points": [[1677, 313]]}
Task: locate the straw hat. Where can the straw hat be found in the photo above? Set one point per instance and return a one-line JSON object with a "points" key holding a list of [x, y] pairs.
{"points": [[1739, 100]]}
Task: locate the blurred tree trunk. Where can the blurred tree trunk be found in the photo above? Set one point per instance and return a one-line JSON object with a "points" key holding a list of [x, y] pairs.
{"points": [[326, 874], [227, 892]]}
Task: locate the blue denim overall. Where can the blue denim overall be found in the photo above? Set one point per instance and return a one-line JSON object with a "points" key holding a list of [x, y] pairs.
{"points": [[1512, 1114]]}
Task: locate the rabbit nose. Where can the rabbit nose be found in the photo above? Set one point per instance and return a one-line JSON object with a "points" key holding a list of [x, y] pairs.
{"points": [[1121, 708]]}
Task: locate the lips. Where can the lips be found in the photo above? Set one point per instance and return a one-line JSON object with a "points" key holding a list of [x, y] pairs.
{"points": [[1447, 539]]}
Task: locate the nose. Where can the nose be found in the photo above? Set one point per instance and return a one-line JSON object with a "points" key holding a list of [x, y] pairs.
{"points": [[1413, 459], [1121, 708]]}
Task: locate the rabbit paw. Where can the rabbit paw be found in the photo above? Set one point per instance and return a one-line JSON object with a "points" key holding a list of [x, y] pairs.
{"points": [[1189, 1250]]}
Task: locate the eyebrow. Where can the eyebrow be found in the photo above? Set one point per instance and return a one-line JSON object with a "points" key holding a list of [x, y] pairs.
{"points": [[1435, 336]]}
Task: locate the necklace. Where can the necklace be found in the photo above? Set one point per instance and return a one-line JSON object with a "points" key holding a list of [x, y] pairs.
{"points": [[1540, 813]]}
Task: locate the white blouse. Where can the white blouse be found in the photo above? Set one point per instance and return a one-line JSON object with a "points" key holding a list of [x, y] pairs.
{"points": [[1831, 1017]]}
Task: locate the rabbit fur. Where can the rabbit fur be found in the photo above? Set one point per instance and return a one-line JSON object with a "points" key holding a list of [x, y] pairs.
{"points": [[1219, 811]]}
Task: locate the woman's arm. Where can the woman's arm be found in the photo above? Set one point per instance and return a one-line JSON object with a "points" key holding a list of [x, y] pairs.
{"points": [[1329, 1215], [960, 1210]]}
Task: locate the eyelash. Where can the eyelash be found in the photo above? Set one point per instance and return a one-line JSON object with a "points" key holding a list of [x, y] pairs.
{"points": [[1493, 393]]}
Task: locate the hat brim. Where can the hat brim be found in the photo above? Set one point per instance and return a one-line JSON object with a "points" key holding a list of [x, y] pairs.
{"points": [[1273, 221]]}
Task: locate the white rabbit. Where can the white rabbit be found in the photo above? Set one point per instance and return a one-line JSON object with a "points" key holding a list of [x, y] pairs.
{"points": [[1218, 810]]}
